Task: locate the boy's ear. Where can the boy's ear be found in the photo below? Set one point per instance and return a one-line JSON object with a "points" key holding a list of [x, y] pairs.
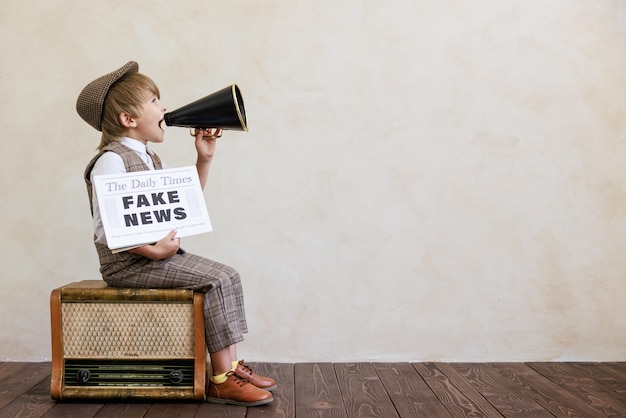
{"points": [[127, 120]]}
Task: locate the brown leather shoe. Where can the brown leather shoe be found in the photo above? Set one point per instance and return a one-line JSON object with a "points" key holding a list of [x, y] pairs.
{"points": [[237, 391], [244, 371]]}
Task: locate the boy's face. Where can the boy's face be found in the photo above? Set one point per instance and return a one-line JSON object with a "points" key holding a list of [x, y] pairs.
{"points": [[148, 124]]}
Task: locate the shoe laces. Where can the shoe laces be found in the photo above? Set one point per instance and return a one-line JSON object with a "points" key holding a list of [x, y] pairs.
{"points": [[241, 381], [246, 367]]}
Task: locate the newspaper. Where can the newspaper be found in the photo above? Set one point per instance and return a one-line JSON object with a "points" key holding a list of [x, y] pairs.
{"points": [[142, 207]]}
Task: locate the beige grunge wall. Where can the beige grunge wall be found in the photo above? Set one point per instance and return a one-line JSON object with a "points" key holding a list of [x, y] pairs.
{"points": [[422, 180]]}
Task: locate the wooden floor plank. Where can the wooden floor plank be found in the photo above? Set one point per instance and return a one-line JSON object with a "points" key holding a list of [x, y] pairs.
{"points": [[283, 404], [618, 365], [558, 401], [363, 393], [570, 377], [124, 410], [606, 374], [33, 403], [173, 410], [10, 368], [317, 392], [210, 410], [456, 394], [17, 378], [409, 393], [74, 410], [499, 391]]}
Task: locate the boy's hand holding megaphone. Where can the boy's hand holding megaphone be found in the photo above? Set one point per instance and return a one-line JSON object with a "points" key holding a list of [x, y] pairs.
{"points": [[206, 139]]}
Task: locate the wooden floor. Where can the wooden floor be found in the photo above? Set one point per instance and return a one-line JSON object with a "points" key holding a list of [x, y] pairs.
{"points": [[366, 390]]}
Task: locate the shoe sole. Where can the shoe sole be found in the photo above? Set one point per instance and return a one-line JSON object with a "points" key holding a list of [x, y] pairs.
{"points": [[237, 403]]}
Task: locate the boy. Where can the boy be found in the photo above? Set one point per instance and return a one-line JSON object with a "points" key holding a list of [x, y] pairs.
{"points": [[125, 106]]}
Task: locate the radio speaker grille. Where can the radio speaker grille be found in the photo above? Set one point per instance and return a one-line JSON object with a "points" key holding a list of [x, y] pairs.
{"points": [[123, 330]]}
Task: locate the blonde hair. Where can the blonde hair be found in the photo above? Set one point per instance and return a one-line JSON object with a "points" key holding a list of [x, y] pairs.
{"points": [[126, 95]]}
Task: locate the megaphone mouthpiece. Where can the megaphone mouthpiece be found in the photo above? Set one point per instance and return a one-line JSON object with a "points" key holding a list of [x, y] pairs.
{"points": [[223, 109]]}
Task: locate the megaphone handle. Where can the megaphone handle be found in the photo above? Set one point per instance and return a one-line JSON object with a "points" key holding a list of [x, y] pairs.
{"points": [[192, 133]]}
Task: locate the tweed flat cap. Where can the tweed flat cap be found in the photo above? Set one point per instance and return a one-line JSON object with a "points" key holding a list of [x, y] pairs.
{"points": [[91, 98]]}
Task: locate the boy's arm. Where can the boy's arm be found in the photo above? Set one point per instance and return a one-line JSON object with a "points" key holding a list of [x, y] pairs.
{"points": [[205, 146]]}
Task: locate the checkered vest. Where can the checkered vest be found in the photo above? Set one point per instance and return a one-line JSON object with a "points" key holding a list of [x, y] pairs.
{"points": [[110, 262]]}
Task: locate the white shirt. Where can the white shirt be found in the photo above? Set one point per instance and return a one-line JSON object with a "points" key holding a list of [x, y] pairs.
{"points": [[112, 163]]}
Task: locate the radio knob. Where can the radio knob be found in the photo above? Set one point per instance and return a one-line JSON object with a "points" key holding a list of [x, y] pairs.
{"points": [[176, 377], [83, 375]]}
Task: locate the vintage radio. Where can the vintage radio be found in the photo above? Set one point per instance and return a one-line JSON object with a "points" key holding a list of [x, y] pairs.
{"points": [[124, 343]]}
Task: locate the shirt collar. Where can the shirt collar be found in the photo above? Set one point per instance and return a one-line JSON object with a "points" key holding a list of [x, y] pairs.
{"points": [[135, 145]]}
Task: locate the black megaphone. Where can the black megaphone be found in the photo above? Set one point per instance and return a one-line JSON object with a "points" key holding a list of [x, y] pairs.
{"points": [[223, 109]]}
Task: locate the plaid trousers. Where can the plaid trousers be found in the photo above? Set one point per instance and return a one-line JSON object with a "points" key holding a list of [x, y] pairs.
{"points": [[224, 314]]}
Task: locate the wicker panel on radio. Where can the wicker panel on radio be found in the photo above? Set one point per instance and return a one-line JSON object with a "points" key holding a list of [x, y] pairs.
{"points": [[128, 330]]}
